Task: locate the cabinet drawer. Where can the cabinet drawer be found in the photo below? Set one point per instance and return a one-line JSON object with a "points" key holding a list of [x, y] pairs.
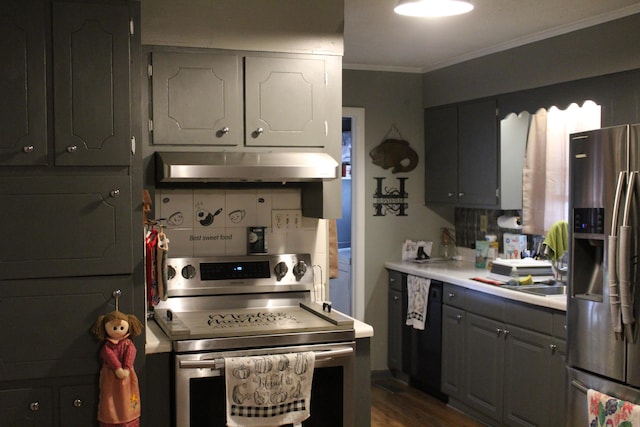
{"points": [[453, 295], [397, 280], [485, 305], [53, 318], [65, 226], [529, 316]]}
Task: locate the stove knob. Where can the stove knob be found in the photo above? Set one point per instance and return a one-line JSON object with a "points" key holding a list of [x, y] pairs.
{"points": [[299, 269], [280, 270], [171, 272], [189, 272]]}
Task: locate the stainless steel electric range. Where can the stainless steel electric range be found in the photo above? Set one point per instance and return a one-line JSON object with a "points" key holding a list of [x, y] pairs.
{"points": [[219, 307]]}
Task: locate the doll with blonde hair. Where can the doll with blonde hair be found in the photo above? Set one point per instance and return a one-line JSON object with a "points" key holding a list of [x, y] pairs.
{"points": [[119, 403]]}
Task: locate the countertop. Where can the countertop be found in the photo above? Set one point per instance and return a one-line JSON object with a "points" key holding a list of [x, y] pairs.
{"points": [[461, 273], [158, 342]]}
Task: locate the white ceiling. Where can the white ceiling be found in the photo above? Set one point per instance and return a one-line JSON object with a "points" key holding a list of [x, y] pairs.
{"points": [[375, 38]]}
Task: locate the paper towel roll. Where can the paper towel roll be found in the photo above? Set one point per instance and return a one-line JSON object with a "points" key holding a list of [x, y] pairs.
{"points": [[512, 222]]}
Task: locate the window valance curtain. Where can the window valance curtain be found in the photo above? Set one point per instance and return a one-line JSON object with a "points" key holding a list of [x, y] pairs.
{"points": [[545, 176]]}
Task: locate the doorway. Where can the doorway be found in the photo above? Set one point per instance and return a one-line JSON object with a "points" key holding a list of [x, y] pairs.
{"points": [[347, 291]]}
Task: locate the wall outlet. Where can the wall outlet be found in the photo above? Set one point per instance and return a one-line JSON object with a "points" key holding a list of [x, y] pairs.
{"points": [[285, 220], [484, 223]]}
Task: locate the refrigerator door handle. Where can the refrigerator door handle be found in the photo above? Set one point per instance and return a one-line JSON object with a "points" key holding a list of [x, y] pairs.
{"points": [[614, 295], [577, 384], [625, 270]]}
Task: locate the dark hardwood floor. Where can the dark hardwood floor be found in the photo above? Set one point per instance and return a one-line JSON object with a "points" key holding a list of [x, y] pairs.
{"points": [[394, 404]]}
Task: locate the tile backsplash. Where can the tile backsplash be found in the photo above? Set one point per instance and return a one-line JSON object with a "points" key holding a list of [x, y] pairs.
{"points": [[467, 222], [214, 222]]}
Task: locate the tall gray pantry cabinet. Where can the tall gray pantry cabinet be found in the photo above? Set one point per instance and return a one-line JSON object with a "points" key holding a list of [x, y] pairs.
{"points": [[69, 175]]}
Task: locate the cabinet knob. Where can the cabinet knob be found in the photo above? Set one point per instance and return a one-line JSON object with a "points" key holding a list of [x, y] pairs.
{"points": [[115, 193], [396, 297], [506, 332], [72, 148], [461, 194], [498, 331], [450, 194], [458, 317], [34, 406], [77, 403], [28, 148], [452, 294], [258, 132], [553, 348], [224, 131]]}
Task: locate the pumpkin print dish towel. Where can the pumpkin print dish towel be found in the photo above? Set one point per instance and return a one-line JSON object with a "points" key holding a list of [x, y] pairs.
{"points": [[268, 390]]}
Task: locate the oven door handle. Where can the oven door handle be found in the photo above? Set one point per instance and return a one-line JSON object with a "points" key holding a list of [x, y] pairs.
{"points": [[219, 363]]}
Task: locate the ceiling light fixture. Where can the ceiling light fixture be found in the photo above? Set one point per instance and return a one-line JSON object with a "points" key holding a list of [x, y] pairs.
{"points": [[432, 8]]}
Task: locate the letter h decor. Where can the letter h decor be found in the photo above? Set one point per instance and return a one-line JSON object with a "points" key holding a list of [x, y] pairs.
{"points": [[392, 200]]}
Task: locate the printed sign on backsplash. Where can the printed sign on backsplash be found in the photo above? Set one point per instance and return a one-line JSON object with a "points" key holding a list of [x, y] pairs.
{"points": [[215, 222]]}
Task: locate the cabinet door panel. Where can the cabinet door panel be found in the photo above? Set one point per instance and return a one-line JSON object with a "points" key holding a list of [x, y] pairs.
{"points": [[478, 154], [196, 99], [65, 226], [484, 357], [285, 102], [394, 354], [79, 405], [441, 155], [23, 83], [527, 367], [91, 84], [26, 407], [52, 319], [453, 344], [558, 398]]}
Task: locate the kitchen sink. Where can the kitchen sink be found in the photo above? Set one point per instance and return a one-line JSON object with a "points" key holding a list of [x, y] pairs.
{"points": [[542, 290]]}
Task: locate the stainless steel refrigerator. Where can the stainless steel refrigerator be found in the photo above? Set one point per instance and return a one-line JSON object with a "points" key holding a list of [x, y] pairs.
{"points": [[604, 246]]}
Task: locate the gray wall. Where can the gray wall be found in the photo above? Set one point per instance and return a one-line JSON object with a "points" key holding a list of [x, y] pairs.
{"points": [[388, 99], [603, 49]]}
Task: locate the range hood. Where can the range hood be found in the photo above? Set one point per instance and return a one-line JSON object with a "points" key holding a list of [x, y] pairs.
{"points": [[245, 167]]}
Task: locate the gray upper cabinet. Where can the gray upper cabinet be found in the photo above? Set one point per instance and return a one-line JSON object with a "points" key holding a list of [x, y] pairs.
{"points": [[90, 75], [461, 150], [441, 155], [197, 99], [285, 102], [61, 226], [23, 83], [91, 84], [478, 154]]}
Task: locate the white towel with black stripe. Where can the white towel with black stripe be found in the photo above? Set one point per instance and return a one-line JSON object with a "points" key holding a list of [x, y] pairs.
{"points": [[418, 301], [269, 390]]}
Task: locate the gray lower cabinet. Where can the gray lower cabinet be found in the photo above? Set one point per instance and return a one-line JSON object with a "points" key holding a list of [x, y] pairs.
{"points": [[394, 356], [453, 351], [397, 306], [503, 361], [21, 407]]}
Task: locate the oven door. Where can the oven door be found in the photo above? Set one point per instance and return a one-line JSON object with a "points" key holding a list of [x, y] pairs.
{"points": [[200, 396]]}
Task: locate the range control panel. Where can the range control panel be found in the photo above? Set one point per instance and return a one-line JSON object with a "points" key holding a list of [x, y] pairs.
{"points": [[241, 274]]}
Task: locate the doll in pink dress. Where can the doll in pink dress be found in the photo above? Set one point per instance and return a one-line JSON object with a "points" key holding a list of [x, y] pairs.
{"points": [[119, 404]]}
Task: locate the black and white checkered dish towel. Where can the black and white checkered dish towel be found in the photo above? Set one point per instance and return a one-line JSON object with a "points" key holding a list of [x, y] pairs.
{"points": [[269, 390], [418, 301]]}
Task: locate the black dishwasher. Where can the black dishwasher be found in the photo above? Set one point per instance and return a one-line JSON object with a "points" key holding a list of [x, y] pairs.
{"points": [[422, 354]]}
